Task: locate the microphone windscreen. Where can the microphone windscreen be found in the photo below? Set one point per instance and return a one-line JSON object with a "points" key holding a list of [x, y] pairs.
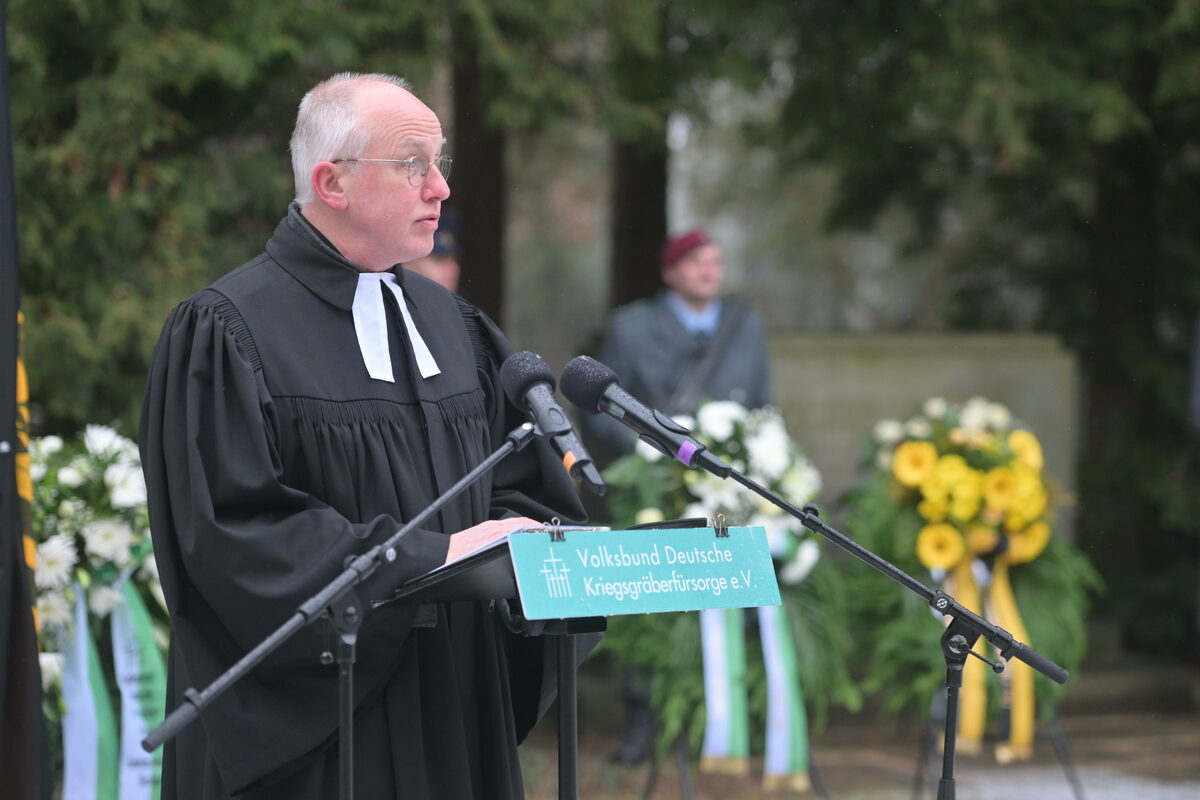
{"points": [[584, 380], [520, 371]]}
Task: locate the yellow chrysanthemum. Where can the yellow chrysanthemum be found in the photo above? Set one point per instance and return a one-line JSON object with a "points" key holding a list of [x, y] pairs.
{"points": [[940, 546], [1016, 521], [1029, 496], [982, 539], [935, 489], [999, 487], [964, 506], [1028, 544], [1027, 449], [951, 467], [914, 462], [933, 509]]}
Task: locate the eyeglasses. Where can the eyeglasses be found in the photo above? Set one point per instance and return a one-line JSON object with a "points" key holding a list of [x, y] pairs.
{"points": [[417, 167]]}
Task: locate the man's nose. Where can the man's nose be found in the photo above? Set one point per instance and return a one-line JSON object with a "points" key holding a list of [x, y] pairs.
{"points": [[436, 185]]}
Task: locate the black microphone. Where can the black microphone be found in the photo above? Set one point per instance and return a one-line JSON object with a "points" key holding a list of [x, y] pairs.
{"points": [[594, 388], [529, 384]]}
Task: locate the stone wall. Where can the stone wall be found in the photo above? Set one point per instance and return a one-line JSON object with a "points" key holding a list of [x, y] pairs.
{"points": [[832, 390]]}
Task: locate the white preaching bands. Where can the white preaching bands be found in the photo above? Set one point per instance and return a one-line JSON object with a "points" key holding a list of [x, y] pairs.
{"points": [[370, 323]]}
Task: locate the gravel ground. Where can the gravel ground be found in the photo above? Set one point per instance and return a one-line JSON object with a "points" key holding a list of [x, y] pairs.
{"points": [[1128, 756]]}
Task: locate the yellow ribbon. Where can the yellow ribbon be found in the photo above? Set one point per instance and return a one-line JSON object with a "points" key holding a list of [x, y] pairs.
{"points": [[24, 476], [1017, 676]]}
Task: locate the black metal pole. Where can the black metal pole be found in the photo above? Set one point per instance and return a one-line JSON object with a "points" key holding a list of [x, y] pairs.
{"points": [[946, 783], [568, 720], [346, 617]]}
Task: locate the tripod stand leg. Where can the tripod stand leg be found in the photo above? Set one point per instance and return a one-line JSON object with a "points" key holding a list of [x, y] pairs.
{"points": [[818, 784], [1059, 737], [651, 775], [685, 767]]}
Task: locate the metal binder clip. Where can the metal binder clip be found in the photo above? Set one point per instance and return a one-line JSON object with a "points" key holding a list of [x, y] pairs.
{"points": [[721, 527], [556, 531]]}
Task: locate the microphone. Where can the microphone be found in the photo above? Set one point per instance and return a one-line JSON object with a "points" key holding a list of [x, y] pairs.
{"points": [[529, 384], [594, 388]]}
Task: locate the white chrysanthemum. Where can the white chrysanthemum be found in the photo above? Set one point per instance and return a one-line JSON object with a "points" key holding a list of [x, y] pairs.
{"points": [[101, 440], [695, 510], [801, 483], [54, 611], [51, 665], [976, 413], [108, 539], [717, 420], [45, 446], [126, 485], [55, 560], [648, 452], [71, 476], [935, 408], [103, 599], [999, 416], [37, 470], [73, 509], [888, 431], [808, 553], [769, 448], [918, 428], [716, 495], [648, 516], [883, 460], [149, 568]]}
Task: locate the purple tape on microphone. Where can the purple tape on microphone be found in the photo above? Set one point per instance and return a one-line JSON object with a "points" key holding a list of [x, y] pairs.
{"points": [[687, 451]]}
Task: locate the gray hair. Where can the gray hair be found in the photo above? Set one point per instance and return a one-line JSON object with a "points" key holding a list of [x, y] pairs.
{"points": [[327, 126]]}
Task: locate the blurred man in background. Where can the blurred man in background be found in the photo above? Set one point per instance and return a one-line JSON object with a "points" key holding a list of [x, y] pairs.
{"points": [[686, 345]]}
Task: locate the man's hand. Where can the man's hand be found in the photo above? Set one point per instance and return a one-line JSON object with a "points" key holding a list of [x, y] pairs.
{"points": [[464, 542]]}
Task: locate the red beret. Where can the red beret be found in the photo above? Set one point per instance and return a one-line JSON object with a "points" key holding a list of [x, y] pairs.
{"points": [[679, 246]]}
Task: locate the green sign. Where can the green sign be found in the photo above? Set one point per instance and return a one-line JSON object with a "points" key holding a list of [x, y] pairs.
{"points": [[606, 573]]}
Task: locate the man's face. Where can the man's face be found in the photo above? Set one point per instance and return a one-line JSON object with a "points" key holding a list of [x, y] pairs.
{"points": [[390, 220], [697, 276]]}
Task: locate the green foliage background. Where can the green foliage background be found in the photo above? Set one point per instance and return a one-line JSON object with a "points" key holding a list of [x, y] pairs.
{"points": [[1044, 156]]}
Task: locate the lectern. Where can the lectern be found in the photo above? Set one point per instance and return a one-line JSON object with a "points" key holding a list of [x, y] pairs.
{"points": [[565, 582]]}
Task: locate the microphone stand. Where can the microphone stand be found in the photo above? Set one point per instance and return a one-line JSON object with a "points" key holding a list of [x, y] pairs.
{"points": [[340, 603], [963, 631]]}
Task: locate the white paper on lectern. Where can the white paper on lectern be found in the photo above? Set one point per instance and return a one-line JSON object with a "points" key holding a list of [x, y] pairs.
{"points": [[503, 540]]}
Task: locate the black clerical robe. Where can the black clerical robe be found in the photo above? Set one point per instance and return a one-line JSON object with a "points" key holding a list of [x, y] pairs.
{"points": [[270, 456]]}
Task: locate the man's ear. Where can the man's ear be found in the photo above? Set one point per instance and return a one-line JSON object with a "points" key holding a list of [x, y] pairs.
{"points": [[327, 185]]}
